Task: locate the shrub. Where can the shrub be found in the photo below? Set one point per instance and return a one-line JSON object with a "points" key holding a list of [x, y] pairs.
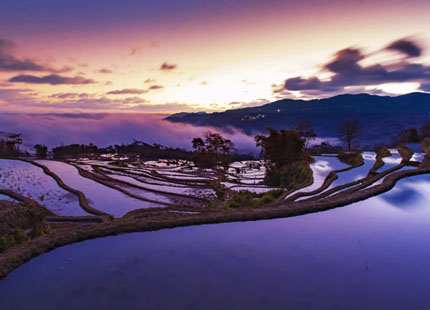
{"points": [[287, 162], [96, 169], [20, 236], [20, 222], [269, 197], [219, 189], [118, 163], [351, 157], [6, 242], [291, 176], [242, 199]]}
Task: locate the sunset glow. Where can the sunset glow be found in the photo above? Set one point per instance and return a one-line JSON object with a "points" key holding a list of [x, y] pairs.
{"points": [[172, 56], [227, 154]]}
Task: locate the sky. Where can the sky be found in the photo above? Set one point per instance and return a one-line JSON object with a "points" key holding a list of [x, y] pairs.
{"points": [[158, 56]]}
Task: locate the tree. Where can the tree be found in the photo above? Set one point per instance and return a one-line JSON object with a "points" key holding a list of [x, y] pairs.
{"points": [[409, 135], [304, 127], [198, 144], [348, 131], [9, 146], [286, 159], [41, 150], [212, 150], [281, 147]]}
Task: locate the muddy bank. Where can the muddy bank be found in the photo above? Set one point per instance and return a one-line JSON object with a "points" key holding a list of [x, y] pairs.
{"points": [[20, 222], [157, 219]]}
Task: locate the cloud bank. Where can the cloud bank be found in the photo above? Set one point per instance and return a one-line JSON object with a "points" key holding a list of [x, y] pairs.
{"points": [[127, 91], [10, 63], [108, 129], [52, 79], [168, 67], [346, 70]]}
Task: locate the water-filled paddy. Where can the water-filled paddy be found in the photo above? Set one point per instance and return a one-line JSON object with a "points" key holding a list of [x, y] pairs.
{"points": [[355, 173], [321, 168], [199, 192], [102, 198], [369, 255], [30, 181]]}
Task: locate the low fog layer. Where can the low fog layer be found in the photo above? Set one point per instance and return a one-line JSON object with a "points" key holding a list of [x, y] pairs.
{"points": [[109, 129]]}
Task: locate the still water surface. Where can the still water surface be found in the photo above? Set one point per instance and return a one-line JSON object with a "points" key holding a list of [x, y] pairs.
{"points": [[373, 254]]}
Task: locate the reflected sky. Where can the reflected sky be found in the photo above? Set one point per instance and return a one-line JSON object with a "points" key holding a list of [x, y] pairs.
{"points": [[369, 255], [409, 195]]}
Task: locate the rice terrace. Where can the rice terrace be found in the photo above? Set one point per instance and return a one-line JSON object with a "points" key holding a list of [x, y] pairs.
{"points": [[214, 155]]}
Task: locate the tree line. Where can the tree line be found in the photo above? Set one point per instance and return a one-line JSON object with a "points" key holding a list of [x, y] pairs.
{"points": [[9, 145], [414, 135]]}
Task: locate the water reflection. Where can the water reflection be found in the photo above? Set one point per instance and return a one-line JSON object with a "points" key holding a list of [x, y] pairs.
{"points": [[369, 255], [409, 195]]}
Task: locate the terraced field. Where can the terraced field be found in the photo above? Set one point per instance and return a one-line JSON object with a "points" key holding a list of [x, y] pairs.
{"points": [[102, 187]]}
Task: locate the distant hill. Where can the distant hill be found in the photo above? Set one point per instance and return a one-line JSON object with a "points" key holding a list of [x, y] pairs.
{"points": [[381, 117]]}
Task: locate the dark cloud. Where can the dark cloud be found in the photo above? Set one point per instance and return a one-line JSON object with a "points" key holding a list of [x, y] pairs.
{"points": [[167, 67], [52, 79], [19, 99], [133, 100], [69, 95], [128, 91], [6, 44], [155, 87], [10, 63], [97, 116], [135, 91], [345, 61], [104, 71], [149, 80], [347, 71], [406, 46], [135, 50], [299, 83]]}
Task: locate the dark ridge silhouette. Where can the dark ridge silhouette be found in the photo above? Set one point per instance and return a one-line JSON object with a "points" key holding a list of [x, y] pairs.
{"points": [[382, 117]]}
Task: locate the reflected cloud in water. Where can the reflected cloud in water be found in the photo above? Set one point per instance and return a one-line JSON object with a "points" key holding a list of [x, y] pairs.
{"points": [[410, 195]]}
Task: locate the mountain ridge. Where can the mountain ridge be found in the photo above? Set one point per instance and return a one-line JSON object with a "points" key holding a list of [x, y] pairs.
{"points": [[381, 116]]}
